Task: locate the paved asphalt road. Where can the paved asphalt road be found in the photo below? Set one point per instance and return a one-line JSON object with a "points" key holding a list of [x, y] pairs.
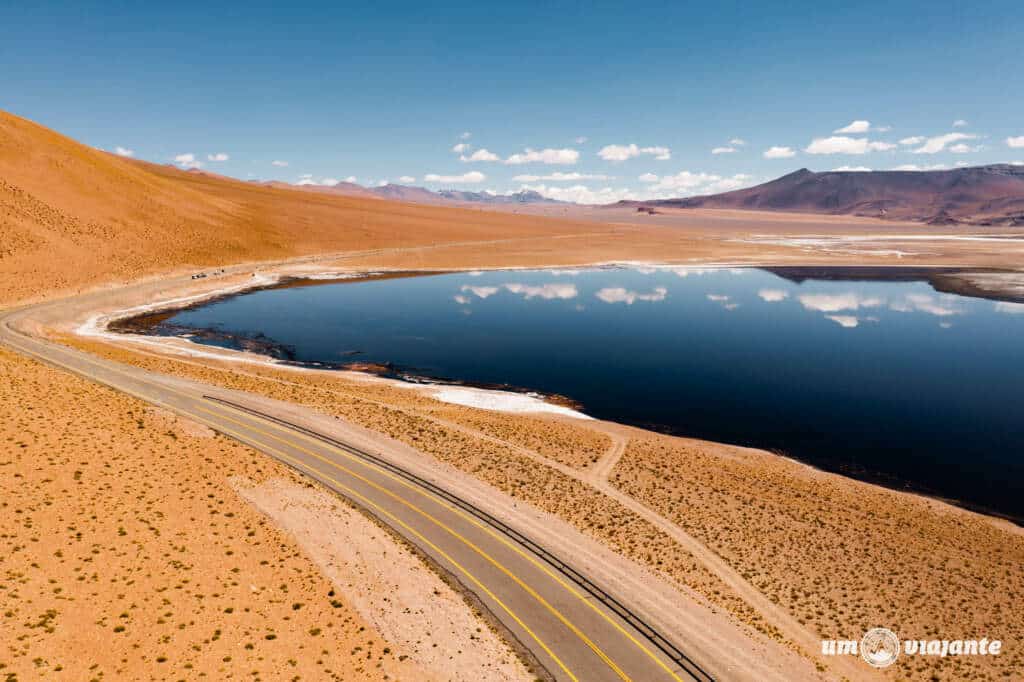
{"points": [[572, 633]]}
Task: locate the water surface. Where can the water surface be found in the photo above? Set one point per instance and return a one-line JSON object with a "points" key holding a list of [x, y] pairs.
{"points": [[886, 380]]}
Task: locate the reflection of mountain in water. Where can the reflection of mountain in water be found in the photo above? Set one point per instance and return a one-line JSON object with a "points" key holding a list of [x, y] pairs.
{"points": [[944, 280]]}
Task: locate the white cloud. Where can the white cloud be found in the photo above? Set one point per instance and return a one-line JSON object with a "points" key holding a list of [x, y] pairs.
{"points": [[915, 167], [739, 142], [858, 126], [308, 179], [582, 194], [406, 179], [582, 139], [831, 303], [351, 179], [629, 297], [560, 177], [478, 155], [618, 152], [122, 151], [916, 139], [471, 177], [848, 321], [684, 183], [962, 148], [779, 153], [934, 145], [959, 123], [279, 164], [840, 144], [460, 148], [694, 183], [465, 135], [659, 153], [479, 292], [773, 295], [188, 161], [546, 291], [564, 157], [723, 150], [849, 169], [459, 298], [218, 156], [622, 152], [1015, 142]]}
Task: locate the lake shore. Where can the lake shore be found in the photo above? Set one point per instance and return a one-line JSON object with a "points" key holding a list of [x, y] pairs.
{"points": [[253, 373], [193, 337]]}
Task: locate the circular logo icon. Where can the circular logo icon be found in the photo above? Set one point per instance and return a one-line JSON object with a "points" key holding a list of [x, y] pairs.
{"points": [[880, 647]]}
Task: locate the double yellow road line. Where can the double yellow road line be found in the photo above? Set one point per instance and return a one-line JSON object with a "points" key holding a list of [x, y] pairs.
{"points": [[214, 419]]}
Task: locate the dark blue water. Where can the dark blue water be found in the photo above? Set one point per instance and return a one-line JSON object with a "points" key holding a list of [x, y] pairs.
{"points": [[886, 380]]}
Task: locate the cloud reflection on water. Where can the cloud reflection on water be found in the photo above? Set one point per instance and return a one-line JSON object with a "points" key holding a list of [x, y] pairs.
{"points": [[546, 291], [832, 303], [848, 321], [480, 292], [773, 295], [627, 296], [927, 304], [1010, 308]]}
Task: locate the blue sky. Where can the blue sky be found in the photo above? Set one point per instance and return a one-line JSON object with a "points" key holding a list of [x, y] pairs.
{"points": [[552, 95]]}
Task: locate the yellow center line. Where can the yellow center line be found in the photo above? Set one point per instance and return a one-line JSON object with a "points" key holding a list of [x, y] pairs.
{"points": [[497, 536], [476, 522], [527, 588], [383, 512], [398, 521]]}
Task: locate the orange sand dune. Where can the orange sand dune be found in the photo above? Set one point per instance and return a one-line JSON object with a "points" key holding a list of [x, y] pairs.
{"points": [[72, 215]]}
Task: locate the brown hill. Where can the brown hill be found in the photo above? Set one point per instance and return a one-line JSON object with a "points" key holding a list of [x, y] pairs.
{"points": [[983, 195], [72, 216]]}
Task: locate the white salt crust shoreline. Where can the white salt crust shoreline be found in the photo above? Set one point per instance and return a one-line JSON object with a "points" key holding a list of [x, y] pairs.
{"points": [[97, 327]]}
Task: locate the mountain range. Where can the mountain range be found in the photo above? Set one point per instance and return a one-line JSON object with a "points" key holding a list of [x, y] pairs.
{"points": [[980, 195], [422, 195]]}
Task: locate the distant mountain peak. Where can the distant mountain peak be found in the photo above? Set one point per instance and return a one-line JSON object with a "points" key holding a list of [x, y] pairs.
{"points": [[981, 195], [423, 195]]}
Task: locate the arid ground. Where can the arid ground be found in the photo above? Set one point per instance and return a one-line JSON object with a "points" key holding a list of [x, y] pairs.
{"points": [[137, 544]]}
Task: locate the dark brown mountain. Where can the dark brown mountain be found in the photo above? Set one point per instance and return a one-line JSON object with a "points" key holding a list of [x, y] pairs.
{"points": [[982, 195]]}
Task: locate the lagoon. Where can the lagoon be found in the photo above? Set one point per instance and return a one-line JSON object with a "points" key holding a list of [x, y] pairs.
{"points": [[885, 379]]}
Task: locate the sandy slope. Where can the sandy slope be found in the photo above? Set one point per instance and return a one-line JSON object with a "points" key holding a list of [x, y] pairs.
{"points": [[74, 218], [126, 554]]}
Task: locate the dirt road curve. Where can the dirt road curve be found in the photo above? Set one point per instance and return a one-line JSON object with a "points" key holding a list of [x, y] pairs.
{"points": [[573, 635]]}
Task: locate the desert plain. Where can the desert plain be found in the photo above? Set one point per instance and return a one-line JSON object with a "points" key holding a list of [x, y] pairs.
{"points": [[137, 544]]}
